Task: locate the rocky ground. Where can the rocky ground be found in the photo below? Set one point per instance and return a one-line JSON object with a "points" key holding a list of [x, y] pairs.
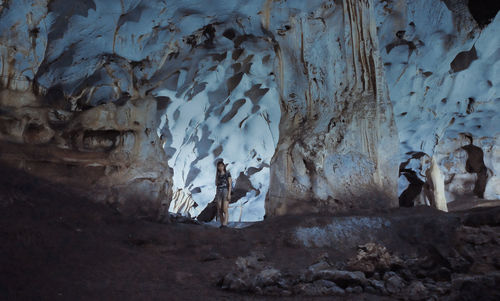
{"points": [[58, 246]]}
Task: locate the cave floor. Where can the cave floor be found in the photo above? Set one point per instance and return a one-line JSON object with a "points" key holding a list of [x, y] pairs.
{"points": [[56, 246]]}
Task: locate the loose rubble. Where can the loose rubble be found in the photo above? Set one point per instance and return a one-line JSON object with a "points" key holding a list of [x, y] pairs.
{"points": [[375, 270]]}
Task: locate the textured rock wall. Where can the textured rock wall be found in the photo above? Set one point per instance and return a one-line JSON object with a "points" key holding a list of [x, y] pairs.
{"points": [[106, 95], [441, 64], [109, 152], [210, 82], [57, 120], [223, 103], [337, 133]]}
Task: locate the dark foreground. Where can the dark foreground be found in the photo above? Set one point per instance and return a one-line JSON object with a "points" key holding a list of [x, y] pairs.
{"points": [[56, 246]]}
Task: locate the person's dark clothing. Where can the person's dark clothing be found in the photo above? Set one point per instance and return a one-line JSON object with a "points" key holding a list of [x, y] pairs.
{"points": [[221, 180]]}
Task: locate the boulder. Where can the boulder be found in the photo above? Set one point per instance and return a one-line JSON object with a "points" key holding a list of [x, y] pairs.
{"points": [[378, 285], [373, 257], [394, 283], [209, 213], [267, 277], [341, 278], [416, 290], [318, 289], [354, 289]]}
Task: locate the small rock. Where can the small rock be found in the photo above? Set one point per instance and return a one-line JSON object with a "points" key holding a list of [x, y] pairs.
{"points": [[273, 290], [238, 285], [322, 265], [371, 257], [334, 290], [283, 283], [378, 285], [268, 276], [179, 218], [394, 284], [308, 275], [244, 263], [354, 289], [342, 278], [307, 289], [233, 282], [370, 290], [316, 289], [388, 275], [416, 290], [324, 283]]}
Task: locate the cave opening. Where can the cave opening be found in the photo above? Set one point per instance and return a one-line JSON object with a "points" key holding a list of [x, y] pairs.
{"points": [[224, 106], [415, 185], [475, 164], [408, 196], [483, 11]]}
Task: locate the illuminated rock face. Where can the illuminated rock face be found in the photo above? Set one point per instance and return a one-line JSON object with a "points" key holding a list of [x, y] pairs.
{"points": [[131, 100], [337, 134], [441, 65]]}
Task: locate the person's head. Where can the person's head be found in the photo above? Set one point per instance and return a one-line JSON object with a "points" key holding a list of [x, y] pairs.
{"points": [[221, 167]]}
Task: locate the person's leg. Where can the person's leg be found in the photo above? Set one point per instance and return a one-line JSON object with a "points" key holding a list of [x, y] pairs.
{"points": [[218, 201], [226, 211], [225, 207]]}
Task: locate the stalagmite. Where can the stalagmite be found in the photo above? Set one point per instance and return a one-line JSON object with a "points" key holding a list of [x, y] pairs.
{"points": [[436, 178]]}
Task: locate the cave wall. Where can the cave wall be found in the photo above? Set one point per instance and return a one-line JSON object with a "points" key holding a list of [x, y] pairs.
{"points": [[220, 84], [337, 133], [131, 100], [109, 153], [441, 64], [61, 120], [223, 103]]}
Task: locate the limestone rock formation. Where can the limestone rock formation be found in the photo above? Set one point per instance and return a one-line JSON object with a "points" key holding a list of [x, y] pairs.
{"points": [[109, 152], [131, 100], [441, 61], [337, 133], [223, 84]]}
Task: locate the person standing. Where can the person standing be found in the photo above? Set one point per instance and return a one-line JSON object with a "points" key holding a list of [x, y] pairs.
{"points": [[223, 183]]}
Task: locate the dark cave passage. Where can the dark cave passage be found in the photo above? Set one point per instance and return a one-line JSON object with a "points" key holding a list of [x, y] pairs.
{"points": [[475, 164], [483, 11], [407, 197]]}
